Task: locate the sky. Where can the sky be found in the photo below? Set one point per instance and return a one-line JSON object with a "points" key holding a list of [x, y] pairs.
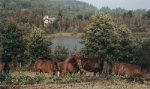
{"points": [[125, 4]]}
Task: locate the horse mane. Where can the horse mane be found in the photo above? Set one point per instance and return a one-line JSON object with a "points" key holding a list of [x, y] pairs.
{"points": [[70, 59]]}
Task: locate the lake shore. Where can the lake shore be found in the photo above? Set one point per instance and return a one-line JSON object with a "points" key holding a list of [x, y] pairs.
{"points": [[79, 35], [65, 35]]}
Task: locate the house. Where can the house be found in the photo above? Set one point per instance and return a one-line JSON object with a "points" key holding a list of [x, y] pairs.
{"points": [[47, 21]]}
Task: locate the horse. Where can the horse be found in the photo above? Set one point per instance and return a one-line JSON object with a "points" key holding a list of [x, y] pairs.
{"points": [[133, 71], [44, 66], [70, 65], [146, 72], [92, 65]]}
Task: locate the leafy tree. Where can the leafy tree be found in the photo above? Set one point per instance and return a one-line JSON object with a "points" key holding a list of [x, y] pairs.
{"points": [[39, 46], [147, 15], [60, 52], [104, 39], [129, 14], [12, 43], [144, 58]]}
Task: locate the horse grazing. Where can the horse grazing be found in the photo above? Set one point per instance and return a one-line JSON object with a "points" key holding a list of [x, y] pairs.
{"points": [[44, 66], [92, 65], [70, 65], [131, 70]]}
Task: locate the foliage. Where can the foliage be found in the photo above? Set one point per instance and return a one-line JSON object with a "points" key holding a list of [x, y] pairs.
{"points": [[12, 42], [42, 79], [60, 53], [145, 50], [69, 8], [39, 46], [106, 40]]}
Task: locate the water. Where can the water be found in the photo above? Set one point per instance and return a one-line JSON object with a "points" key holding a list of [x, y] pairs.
{"points": [[70, 43]]}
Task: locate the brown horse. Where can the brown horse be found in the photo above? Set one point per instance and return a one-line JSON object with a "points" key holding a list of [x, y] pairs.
{"points": [[92, 65], [44, 66], [70, 65], [131, 70]]}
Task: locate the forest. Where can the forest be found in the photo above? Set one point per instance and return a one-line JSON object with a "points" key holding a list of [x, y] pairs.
{"points": [[71, 15]]}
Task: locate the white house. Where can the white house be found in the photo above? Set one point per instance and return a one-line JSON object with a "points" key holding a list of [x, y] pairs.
{"points": [[47, 21]]}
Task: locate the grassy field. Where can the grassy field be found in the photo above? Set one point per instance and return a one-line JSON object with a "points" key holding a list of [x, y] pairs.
{"points": [[96, 83]]}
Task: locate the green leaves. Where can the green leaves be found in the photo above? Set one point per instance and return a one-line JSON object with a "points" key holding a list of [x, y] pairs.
{"points": [[39, 46], [12, 41], [60, 52], [104, 39]]}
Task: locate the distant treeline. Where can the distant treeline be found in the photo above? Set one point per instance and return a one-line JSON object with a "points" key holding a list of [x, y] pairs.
{"points": [[71, 15], [137, 20]]}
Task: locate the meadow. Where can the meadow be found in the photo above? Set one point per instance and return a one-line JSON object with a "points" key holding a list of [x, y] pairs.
{"points": [[30, 80]]}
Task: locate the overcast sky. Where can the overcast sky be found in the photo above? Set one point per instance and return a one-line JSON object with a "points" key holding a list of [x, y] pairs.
{"points": [[126, 4]]}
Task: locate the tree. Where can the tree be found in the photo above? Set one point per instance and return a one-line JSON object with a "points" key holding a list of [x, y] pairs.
{"points": [[103, 39], [39, 46], [147, 15], [12, 43], [145, 57], [60, 52]]}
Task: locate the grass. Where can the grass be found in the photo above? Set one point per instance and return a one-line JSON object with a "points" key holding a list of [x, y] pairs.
{"points": [[29, 80], [24, 78]]}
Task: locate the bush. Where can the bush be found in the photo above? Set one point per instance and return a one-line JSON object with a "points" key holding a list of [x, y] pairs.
{"points": [[60, 53], [39, 46]]}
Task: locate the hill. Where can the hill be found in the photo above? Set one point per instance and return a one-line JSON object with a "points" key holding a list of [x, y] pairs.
{"points": [[49, 7]]}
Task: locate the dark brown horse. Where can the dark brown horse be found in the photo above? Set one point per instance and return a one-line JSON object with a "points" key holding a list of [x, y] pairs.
{"points": [[44, 66], [92, 65], [70, 65]]}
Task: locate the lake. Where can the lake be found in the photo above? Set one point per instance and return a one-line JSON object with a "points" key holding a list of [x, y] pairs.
{"points": [[70, 43]]}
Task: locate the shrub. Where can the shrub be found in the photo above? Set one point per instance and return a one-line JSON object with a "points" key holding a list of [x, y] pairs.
{"points": [[60, 52], [39, 46]]}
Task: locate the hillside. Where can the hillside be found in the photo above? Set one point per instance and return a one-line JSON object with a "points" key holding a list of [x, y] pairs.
{"points": [[50, 7]]}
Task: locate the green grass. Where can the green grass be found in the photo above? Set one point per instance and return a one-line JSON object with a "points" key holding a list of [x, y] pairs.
{"points": [[24, 79], [29, 80]]}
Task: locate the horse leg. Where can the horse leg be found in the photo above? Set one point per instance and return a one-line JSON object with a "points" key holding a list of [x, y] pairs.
{"points": [[100, 72], [140, 80], [38, 71], [94, 74], [81, 72], [58, 73]]}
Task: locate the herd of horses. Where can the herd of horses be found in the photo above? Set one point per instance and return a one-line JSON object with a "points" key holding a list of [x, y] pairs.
{"points": [[75, 63]]}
